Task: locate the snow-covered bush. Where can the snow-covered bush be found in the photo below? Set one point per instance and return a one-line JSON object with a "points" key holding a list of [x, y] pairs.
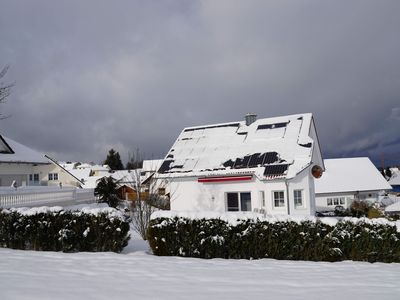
{"points": [[280, 239], [53, 229]]}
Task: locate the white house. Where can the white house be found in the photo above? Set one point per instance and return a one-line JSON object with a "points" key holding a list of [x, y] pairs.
{"points": [[252, 165], [149, 167], [394, 181], [347, 179], [23, 166]]}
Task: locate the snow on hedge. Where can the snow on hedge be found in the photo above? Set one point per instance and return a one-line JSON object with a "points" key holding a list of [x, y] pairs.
{"points": [[85, 209], [233, 218]]}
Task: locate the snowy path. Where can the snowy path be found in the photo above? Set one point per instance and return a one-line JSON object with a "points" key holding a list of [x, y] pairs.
{"points": [[136, 274]]}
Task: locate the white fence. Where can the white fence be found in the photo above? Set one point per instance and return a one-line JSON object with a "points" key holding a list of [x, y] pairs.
{"points": [[44, 196]]}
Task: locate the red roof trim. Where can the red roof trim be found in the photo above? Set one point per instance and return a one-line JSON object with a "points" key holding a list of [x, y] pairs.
{"points": [[225, 179]]}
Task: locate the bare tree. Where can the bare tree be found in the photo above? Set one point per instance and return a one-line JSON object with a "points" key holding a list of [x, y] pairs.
{"points": [[135, 160], [5, 89], [149, 197]]}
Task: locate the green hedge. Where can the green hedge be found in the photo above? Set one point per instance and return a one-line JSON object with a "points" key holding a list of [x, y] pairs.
{"points": [[253, 239], [63, 230]]}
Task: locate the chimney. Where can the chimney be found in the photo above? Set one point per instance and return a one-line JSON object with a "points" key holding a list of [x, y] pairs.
{"points": [[250, 118]]}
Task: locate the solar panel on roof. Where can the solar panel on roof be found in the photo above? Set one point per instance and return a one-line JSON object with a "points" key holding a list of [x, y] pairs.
{"points": [[274, 170], [308, 145], [255, 160], [272, 126], [165, 166], [229, 163], [215, 126], [270, 158], [242, 162]]}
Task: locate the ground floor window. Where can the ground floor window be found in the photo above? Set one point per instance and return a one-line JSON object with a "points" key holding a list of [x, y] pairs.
{"points": [[298, 198], [34, 177], [238, 201], [279, 198], [336, 201]]}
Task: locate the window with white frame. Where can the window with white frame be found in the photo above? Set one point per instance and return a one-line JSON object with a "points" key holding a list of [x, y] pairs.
{"points": [[34, 177], [53, 176], [279, 198], [336, 201], [238, 201], [298, 198], [262, 198]]}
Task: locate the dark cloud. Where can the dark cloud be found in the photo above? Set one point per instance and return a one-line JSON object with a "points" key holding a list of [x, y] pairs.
{"points": [[91, 75]]}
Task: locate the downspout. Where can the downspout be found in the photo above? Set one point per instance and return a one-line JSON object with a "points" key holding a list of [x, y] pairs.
{"points": [[287, 196]]}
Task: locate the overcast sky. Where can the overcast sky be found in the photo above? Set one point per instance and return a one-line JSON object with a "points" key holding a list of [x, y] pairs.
{"points": [[94, 75]]}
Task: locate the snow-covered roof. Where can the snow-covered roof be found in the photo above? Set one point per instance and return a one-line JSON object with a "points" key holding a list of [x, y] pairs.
{"points": [[124, 176], [395, 179], [14, 152], [350, 175], [80, 173], [395, 207], [151, 165], [269, 148]]}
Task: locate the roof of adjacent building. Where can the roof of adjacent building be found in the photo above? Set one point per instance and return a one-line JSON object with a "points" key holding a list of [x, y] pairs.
{"points": [[350, 175], [14, 152], [395, 179], [268, 148], [150, 165]]}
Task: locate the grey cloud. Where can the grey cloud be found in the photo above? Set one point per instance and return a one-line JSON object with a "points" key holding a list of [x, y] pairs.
{"points": [[92, 75]]}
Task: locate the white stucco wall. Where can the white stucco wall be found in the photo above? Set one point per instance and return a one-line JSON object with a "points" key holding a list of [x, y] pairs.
{"points": [[187, 194], [20, 173]]}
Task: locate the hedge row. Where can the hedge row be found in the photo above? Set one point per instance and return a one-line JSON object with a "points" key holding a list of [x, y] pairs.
{"points": [[254, 239], [63, 231]]}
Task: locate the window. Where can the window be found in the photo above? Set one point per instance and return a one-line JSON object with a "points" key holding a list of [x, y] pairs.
{"points": [[336, 201], [53, 176], [238, 201], [262, 198], [34, 177], [298, 198], [279, 198]]}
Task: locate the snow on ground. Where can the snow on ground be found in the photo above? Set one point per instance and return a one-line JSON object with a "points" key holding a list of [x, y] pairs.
{"points": [[136, 274]]}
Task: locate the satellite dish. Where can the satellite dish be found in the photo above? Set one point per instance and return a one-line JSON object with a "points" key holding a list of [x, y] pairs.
{"points": [[316, 171]]}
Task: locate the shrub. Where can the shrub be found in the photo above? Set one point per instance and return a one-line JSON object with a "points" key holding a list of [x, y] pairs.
{"points": [[248, 239], [106, 191], [359, 208], [58, 230]]}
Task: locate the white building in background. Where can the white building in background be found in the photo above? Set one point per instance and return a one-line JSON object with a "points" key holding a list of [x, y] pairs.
{"points": [[265, 165], [394, 181], [347, 179], [26, 167], [149, 167]]}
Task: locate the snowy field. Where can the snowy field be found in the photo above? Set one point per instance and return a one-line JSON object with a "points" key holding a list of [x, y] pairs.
{"points": [[136, 274]]}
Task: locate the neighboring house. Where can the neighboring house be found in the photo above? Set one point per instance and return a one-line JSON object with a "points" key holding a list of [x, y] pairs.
{"points": [[262, 165], [394, 181], [149, 167], [394, 208], [22, 166], [347, 179]]}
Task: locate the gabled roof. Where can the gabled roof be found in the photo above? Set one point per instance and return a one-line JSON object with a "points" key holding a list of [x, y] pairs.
{"points": [[350, 175], [14, 152], [269, 148]]}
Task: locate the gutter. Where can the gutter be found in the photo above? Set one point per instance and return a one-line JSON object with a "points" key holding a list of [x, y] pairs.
{"points": [[287, 196]]}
